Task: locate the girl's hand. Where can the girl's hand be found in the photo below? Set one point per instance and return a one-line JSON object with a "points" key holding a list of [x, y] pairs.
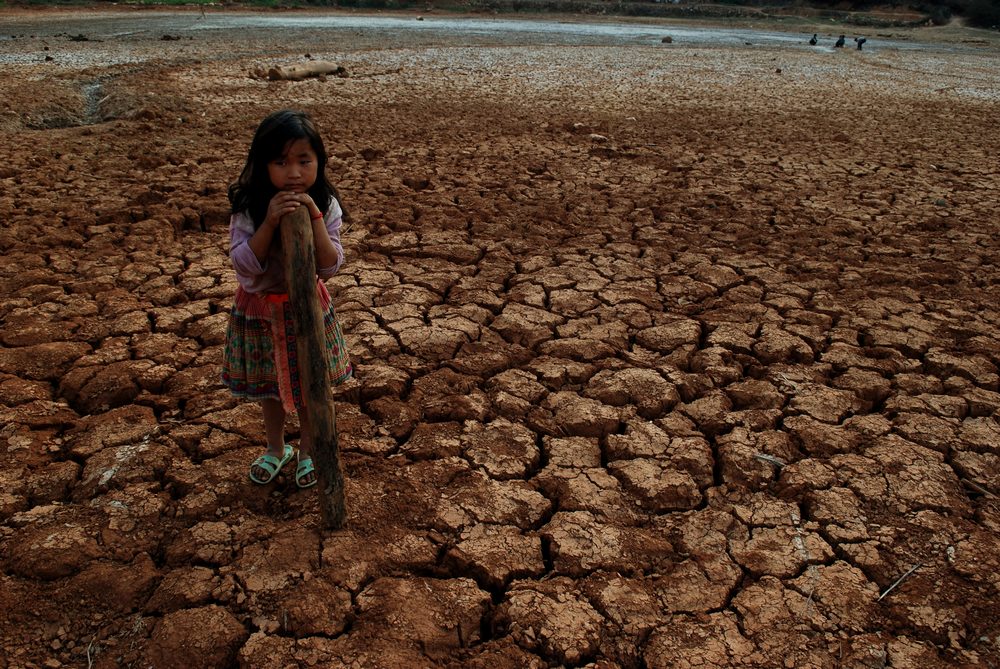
{"points": [[282, 204], [306, 199], [285, 202]]}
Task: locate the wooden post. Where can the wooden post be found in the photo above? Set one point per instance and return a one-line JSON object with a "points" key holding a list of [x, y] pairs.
{"points": [[314, 371]]}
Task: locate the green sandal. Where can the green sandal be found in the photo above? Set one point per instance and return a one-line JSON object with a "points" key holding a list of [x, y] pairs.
{"points": [[271, 465], [305, 468]]}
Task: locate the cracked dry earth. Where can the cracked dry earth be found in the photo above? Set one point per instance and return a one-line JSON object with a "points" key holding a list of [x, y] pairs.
{"points": [[664, 358]]}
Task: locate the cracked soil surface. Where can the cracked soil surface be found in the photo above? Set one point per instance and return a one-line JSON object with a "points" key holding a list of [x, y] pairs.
{"points": [[667, 355]]}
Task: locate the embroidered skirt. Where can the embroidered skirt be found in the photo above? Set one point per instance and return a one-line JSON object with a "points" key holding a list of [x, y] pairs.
{"points": [[261, 358]]}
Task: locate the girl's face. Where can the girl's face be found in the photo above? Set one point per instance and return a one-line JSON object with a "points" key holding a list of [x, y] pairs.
{"points": [[295, 170]]}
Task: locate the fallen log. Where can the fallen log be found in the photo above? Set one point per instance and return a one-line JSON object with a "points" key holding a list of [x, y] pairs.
{"points": [[314, 371], [314, 68]]}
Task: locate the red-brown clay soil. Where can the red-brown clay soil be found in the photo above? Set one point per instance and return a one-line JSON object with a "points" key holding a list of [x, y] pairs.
{"points": [[665, 358]]}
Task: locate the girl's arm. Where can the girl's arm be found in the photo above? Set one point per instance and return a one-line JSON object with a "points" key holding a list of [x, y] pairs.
{"points": [[245, 260], [326, 236], [260, 242], [282, 204]]}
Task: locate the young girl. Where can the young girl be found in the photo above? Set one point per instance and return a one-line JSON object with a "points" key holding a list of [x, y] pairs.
{"points": [[284, 170]]}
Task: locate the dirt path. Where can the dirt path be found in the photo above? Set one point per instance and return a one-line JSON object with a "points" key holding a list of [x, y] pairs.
{"points": [[668, 355]]}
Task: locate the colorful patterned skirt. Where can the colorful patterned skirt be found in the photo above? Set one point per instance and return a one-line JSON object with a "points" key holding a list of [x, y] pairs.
{"points": [[261, 359]]}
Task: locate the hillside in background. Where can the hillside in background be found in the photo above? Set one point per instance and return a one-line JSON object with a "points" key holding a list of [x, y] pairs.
{"points": [[972, 13]]}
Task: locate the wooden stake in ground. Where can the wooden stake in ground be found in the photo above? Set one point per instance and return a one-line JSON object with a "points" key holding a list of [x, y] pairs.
{"points": [[314, 371]]}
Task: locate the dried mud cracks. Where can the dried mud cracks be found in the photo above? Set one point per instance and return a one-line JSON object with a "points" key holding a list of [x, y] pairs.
{"points": [[663, 359]]}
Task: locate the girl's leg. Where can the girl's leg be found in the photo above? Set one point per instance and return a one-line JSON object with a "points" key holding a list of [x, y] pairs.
{"points": [[274, 428], [305, 446]]}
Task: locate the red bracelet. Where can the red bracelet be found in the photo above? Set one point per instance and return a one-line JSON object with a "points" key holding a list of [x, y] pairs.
{"points": [[317, 218]]}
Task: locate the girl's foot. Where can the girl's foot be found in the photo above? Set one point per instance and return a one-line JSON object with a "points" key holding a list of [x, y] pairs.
{"points": [[305, 474], [266, 467]]}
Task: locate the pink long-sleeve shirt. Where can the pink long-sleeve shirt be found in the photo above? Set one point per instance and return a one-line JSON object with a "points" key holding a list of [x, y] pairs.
{"points": [[269, 276]]}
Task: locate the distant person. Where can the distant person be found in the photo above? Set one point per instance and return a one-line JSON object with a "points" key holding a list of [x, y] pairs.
{"points": [[860, 41], [285, 170], [840, 42], [813, 40]]}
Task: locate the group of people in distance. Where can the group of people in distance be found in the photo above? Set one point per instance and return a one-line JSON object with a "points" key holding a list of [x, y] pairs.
{"points": [[813, 41]]}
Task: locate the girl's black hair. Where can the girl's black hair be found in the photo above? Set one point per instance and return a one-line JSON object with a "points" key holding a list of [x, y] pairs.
{"points": [[253, 191]]}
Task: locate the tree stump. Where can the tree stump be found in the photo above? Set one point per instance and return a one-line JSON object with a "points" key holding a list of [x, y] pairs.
{"points": [[314, 371]]}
